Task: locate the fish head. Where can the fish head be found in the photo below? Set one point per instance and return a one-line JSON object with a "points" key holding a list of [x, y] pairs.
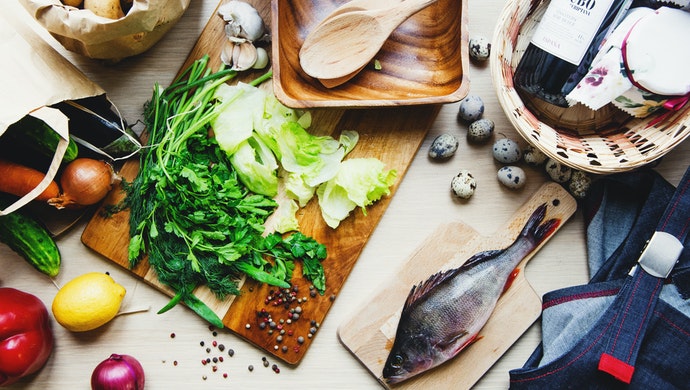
{"points": [[409, 356]]}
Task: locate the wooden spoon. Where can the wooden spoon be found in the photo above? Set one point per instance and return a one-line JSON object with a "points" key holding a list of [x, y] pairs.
{"points": [[359, 5], [347, 42], [350, 6]]}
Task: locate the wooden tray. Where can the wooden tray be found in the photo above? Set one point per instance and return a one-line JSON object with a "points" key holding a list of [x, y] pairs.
{"points": [[391, 134], [369, 334]]}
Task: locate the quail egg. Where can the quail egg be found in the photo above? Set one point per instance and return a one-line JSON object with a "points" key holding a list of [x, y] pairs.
{"points": [[463, 184], [480, 130], [480, 48], [534, 156], [579, 184], [558, 172], [443, 146], [507, 151], [512, 177], [471, 108]]}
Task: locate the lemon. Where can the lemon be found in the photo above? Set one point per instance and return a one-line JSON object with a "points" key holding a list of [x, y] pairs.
{"points": [[87, 302]]}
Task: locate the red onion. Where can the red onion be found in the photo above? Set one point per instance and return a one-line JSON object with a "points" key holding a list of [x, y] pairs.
{"points": [[118, 372]]}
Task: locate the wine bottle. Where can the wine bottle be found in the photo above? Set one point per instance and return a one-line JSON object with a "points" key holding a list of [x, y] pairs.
{"points": [[564, 45]]}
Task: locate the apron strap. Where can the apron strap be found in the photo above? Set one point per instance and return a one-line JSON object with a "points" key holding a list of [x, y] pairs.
{"points": [[641, 294]]}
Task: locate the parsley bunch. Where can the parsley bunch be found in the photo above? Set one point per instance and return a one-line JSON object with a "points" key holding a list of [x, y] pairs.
{"points": [[190, 213]]}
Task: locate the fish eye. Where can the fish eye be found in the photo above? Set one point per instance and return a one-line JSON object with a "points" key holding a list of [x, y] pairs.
{"points": [[397, 362]]}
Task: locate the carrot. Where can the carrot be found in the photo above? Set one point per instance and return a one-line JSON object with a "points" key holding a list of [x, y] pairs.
{"points": [[17, 179]]}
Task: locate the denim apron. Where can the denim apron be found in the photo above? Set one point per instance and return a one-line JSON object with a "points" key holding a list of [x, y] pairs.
{"points": [[628, 328]]}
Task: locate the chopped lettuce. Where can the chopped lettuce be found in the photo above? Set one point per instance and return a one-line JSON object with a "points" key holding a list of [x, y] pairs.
{"points": [[261, 136], [359, 182], [242, 109], [256, 167], [285, 219]]}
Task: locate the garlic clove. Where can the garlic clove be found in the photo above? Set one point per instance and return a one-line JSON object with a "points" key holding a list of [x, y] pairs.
{"points": [[244, 56], [242, 20], [226, 53], [261, 58]]}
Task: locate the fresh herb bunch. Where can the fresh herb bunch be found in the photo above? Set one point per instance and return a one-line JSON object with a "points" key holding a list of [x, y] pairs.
{"points": [[190, 213]]}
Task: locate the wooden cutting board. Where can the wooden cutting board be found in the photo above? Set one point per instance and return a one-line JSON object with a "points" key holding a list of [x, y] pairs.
{"points": [[392, 135], [369, 334]]}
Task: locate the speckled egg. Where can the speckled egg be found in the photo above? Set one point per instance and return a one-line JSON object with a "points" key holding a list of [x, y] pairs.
{"points": [[558, 172], [512, 177], [480, 48], [507, 151], [443, 147], [480, 130], [463, 184], [471, 108], [579, 184], [534, 156]]}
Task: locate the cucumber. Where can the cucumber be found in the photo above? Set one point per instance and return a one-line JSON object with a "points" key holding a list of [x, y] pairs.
{"points": [[29, 238], [37, 136]]}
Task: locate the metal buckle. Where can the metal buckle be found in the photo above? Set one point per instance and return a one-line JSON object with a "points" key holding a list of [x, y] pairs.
{"points": [[661, 254]]}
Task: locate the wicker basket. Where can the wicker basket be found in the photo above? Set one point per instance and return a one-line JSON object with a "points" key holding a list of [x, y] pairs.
{"points": [[602, 141]]}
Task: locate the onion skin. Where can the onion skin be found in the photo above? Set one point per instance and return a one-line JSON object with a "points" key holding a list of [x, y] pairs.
{"points": [[118, 372], [84, 182]]}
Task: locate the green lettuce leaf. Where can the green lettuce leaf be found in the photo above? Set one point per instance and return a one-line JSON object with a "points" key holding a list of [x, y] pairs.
{"points": [[359, 182]]}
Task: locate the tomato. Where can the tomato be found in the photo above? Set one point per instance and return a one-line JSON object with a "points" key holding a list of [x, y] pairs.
{"points": [[26, 335]]}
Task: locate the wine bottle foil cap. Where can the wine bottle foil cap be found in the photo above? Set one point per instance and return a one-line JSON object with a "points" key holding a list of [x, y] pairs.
{"points": [[656, 54]]}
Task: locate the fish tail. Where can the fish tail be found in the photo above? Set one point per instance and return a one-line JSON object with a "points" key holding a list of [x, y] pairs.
{"points": [[537, 231]]}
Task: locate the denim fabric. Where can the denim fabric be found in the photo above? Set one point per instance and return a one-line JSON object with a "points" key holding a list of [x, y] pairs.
{"points": [[616, 323]]}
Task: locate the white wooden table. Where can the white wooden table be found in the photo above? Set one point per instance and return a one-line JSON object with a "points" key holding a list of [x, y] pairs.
{"points": [[422, 202]]}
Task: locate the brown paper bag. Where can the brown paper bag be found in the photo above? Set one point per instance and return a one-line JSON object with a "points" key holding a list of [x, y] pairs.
{"points": [[36, 76], [83, 32]]}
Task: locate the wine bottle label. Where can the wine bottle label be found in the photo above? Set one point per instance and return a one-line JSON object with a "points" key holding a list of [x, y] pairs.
{"points": [[568, 27]]}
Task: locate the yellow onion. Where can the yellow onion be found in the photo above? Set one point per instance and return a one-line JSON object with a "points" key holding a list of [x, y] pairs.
{"points": [[84, 182], [118, 372]]}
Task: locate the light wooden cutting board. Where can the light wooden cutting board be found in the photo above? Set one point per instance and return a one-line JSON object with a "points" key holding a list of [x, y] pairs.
{"points": [[392, 135], [369, 334]]}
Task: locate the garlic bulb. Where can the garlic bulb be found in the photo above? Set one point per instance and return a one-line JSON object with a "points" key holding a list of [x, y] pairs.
{"points": [[243, 26], [242, 20]]}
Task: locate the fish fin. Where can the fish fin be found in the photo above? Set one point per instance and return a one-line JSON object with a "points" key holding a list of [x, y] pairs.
{"points": [[480, 257], [451, 341], [420, 290], [536, 231], [511, 279]]}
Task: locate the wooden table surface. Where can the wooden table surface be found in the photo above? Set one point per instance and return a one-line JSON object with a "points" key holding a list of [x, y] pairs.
{"points": [[422, 202]]}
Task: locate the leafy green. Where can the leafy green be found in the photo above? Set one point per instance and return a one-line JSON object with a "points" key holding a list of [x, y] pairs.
{"points": [[359, 183], [191, 214], [272, 144]]}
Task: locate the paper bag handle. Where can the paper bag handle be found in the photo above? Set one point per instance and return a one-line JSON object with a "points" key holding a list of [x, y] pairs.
{"points": [[59, 122]]}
